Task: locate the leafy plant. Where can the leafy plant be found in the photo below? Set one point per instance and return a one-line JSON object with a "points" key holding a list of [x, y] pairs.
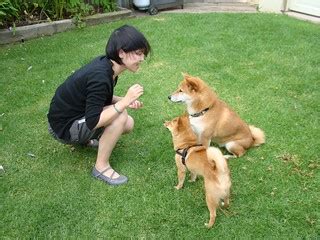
{"points": [[103, 5], [59, 6], [79, 11], [32, 11], [7, 12]]}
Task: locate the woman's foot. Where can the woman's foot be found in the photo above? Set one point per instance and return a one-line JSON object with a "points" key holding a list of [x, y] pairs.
{"points": [[94, 143], [110, 176]]}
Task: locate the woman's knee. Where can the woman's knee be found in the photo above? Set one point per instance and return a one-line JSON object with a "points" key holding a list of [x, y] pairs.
{"points": [[120, 121], [124, 121], [129, 125]]}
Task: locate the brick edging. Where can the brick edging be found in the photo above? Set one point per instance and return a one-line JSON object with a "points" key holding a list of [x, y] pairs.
{"points": [[50, 28]]}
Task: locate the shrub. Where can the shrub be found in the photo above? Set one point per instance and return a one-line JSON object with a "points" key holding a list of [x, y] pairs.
{"points": [[23, 12], [8, 13]]}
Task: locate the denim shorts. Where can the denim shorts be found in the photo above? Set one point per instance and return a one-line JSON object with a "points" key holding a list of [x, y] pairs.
{"points": [[79, 133]]}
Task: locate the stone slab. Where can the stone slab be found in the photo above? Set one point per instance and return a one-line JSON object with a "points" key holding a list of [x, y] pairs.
{"points": [[23, 33]]}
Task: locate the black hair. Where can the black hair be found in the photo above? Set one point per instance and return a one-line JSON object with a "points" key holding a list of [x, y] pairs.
{"points": [[128, 39]]}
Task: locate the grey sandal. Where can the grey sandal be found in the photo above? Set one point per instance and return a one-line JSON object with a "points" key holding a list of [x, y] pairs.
{"points": [[112, 181], [94, 143]]}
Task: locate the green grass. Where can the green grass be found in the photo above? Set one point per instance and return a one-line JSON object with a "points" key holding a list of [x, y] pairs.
{"points": [[265, 66]]}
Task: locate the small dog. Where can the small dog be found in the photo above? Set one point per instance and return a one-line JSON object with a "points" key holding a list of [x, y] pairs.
{"points": [[208, 163], [212, 119]]}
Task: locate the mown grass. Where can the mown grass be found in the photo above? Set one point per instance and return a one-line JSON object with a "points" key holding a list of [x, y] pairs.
{"points": [[265, 66]]}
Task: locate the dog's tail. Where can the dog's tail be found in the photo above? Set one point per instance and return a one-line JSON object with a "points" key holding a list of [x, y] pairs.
{"points": [[222, 173], [215, 155], [258, 135]]}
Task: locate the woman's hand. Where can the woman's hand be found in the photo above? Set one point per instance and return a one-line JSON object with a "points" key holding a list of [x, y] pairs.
{"points": [[136, 104], [133, 93], [130, 99]]}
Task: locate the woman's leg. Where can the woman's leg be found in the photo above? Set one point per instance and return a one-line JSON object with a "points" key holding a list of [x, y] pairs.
{"points": [[110, 136]]}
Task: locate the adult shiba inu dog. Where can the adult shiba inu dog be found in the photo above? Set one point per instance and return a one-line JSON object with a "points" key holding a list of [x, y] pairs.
{"points": [[199, 160], [212, 119]]}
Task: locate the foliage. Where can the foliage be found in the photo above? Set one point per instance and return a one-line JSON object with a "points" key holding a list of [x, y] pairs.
{"points": [[34, 11], [7, 11], [106, 5]]}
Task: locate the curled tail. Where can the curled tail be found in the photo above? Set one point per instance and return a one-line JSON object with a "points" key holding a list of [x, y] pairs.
{"points": [[258, 135], [215, 155], [222, 191]]}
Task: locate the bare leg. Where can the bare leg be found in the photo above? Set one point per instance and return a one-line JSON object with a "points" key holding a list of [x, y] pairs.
{"points": [[110, 136]]}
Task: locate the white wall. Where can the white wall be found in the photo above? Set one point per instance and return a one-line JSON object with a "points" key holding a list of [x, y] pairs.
{"points": [[272, 5]]}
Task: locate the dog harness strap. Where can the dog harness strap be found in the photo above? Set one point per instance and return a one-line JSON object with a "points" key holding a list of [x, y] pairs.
{"points": [[198, 114], [184, 152]]}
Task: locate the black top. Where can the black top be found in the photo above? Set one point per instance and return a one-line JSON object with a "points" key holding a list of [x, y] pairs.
{"points": [[83, 94]]}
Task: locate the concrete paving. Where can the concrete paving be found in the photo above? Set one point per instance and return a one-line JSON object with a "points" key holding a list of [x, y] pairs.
{"points": [[215, 7], [304, 17], [206, 7], [203, 7]]}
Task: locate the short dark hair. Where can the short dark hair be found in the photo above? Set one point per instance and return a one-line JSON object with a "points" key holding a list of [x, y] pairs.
{"points": [[128, 39]]}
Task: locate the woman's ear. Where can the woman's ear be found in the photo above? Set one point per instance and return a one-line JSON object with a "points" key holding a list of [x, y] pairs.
{"points": [[121, 53]]}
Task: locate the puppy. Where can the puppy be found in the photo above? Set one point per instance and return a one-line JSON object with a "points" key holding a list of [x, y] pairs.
{"points": [[212, 119], [208, 163]]}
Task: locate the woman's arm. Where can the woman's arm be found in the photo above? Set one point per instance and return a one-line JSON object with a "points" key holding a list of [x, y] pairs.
{"points": [[116, 99], [110, 113], [135, 104]]}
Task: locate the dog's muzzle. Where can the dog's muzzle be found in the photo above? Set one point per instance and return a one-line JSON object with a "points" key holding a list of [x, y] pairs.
{"points": [[173, 99]]}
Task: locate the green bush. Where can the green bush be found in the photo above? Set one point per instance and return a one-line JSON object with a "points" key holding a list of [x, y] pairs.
{"points": [[32, 11], [7, 12]]}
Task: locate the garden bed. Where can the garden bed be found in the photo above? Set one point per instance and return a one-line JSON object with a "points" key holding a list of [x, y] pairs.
{"points": [[20, 34]]}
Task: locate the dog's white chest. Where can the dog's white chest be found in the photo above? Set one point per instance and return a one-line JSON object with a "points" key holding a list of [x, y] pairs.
{"points": [[197, 125]]}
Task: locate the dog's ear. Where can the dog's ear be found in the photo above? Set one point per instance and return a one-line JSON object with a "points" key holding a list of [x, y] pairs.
{"points": [[182, 121], [192, 84], [185, 75], [179, 123]]}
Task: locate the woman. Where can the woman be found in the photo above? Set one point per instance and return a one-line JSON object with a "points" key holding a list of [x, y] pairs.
{"points": [[84, 109]]}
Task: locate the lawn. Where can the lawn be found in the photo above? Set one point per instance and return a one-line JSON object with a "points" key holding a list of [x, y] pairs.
{"points": [[266, 67]]}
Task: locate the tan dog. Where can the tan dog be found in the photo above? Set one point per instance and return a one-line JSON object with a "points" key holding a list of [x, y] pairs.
{"points": [[208, 163], [212, 119]]}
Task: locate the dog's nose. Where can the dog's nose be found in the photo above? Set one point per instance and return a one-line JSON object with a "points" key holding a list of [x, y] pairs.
{"points": [[169, 97]]}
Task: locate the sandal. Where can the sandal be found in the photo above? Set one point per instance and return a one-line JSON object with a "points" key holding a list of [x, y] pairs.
{"points": [[112, 181], [94, 143]]}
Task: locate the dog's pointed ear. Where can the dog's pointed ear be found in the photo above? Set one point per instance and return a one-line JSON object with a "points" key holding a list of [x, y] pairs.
{"points": [[185, 75], [192, 83], [179, 123]]}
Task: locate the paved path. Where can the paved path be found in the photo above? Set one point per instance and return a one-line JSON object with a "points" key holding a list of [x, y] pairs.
{"points": [[214, 7], [202, 7], [205, 8]]}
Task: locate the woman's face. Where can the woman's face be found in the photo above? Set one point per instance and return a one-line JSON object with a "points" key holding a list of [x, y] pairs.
{"points": [[131, 60]]}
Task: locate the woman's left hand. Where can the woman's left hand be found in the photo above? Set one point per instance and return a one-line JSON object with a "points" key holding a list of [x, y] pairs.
{"points": [[136, 104]]}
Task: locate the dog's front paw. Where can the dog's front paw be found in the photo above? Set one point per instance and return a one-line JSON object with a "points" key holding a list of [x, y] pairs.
{"points": [[193, 177], [225, 203], [229, 156], [179, 186], [208, 225]]}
